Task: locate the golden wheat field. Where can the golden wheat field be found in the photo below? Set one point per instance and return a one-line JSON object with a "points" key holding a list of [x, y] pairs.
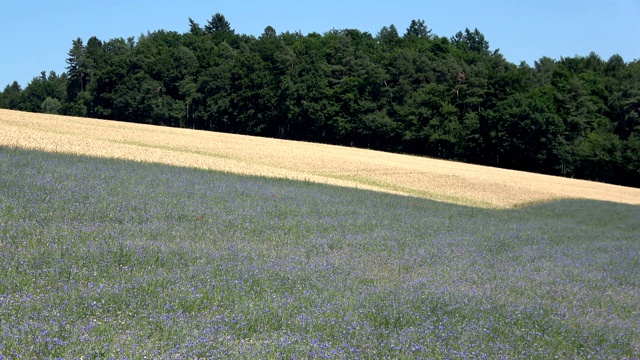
{"points": [[365, 169]]}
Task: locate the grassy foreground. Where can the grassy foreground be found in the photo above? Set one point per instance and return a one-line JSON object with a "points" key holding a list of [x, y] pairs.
{"points": [[109, 258]]}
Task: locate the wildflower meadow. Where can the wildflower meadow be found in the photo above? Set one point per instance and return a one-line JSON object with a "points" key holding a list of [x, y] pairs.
{"points": [[104, 258]]}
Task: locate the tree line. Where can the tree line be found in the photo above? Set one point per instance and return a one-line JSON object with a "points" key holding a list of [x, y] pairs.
{"points": [[415, 93]]}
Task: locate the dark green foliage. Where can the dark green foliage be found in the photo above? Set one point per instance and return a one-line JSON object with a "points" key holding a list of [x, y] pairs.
{"points": [[77, 70], [418, 29], [526, 134], [447, 97], [10, 97], [218, 24], [40, 89]]}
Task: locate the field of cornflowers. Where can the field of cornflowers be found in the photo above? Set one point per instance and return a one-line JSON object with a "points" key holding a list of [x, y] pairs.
{"points": [[117, 259]]}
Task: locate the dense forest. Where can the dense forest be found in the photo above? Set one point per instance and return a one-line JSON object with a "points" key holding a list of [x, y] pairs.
{"points": [[412, 92]]}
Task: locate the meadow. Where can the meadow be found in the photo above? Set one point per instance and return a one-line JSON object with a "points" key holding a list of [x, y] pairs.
{"points": [[112, 258]]}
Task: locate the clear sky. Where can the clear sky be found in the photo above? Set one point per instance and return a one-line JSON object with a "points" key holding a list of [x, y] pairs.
{"points": [[35, 35]]}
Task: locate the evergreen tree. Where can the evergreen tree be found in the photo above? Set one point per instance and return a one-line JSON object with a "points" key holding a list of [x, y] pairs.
{"points": [[41, 88], [418, 29], [10, 98], [78, 72], [219, 29], [77, 68]]}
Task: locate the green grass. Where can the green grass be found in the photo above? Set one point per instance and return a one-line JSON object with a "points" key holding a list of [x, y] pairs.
{"points": [[114, 259]]}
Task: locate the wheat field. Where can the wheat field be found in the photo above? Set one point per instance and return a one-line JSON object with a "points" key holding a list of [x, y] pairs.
{"points": [[343, 166]]}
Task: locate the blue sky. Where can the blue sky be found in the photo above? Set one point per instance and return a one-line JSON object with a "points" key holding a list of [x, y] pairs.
{"points": [[36, 34]]}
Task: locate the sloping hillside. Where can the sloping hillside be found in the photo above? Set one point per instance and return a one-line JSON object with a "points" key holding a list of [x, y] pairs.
{"points": [[365, 169]]}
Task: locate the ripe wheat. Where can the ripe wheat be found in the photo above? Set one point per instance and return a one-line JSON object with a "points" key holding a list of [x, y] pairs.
{"points": [[365, 169]]}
